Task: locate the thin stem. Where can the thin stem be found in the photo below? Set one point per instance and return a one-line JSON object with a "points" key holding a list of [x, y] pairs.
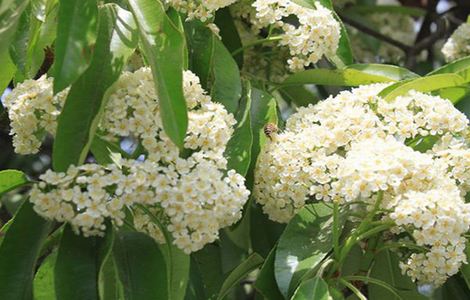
{"points": [[336, 232], [353, 289], [359, 26], [257, 42]]}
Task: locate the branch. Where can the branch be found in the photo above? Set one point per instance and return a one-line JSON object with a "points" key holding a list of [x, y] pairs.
{"points": [[359, 26]]}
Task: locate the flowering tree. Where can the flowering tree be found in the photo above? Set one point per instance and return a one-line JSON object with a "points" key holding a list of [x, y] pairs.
{"points": [[179, 149]]}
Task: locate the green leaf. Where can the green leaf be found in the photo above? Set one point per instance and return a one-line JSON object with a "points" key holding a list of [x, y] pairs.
{"points": [[44, 287], [460, 67], [10, 14], [389, 71], [239, 273], [226, 86], [177, 261], [343, 77], [116, 41], [141, 266], [389, 9], [229, 33], [311, 228], [299, 95], [215, 65], [455, 94], [164, 47], [387, 270], [11, 179], [209, 265], [313, 288], [344, 52], [77, 23], [8, 70], [19, 252], [238, 150], [422, 84], [36, 31], [79, 259], [109, 285], [265, 282]]}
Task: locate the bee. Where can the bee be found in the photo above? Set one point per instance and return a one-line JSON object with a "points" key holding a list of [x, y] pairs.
{"points": [[270, 130]]}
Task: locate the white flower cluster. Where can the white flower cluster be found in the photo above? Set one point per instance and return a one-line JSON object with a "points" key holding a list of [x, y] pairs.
{"points": [[199, 9], [353, 146], [133, 111], [438, 219], [33, 112], [458, 45], [193, 197], [317, 33]]}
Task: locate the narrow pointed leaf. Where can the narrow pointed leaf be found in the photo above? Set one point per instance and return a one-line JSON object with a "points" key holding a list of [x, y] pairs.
{"points": [[265, 281], [238, 150], [79, 260], [141, 267], [422, 84], [117, 39], [19, 252], [239, 273], [77, 22], [44, 287], [164, 47]]}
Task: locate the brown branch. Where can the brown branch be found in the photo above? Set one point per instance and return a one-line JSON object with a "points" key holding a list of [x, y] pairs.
{"points": [[359, 26]]}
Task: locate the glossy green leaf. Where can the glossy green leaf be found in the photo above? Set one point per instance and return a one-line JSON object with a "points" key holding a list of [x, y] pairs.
{"points": [[79, 259], [460, 67], [209, 265], [164, 47], [344, 52], [395, 73], [177, 261], [343, 77], [386, 269], [109, 285], [44, 287], [455, 94], [311, 228], [8, 70], [226, 86], [19, 252], [77, 23], [299, 95], [9, 17], [116, 41], [36, 30], [11, 179], [313, 288], [141, 266], [239, 273], [216, 67], [265, 282], [238, 150], [422, 84], [229, 33]]}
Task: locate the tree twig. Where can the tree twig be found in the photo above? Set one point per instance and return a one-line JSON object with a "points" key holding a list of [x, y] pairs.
{"points": [[359, 26]]}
